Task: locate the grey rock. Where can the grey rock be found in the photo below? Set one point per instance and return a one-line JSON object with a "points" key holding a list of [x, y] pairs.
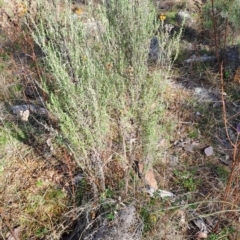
{"points": [[158, 193], [201, 225], [231, 60], [189, 148], [18, 109], [154, 50], [127, 226], [203, 58], [78, 178], [173, 161], [163, 194], [225, 160], [205, 95], [184, 17], [208, 151]]}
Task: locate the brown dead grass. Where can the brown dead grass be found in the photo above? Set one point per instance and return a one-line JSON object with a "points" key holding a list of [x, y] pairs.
{"points": [[34, 192]]}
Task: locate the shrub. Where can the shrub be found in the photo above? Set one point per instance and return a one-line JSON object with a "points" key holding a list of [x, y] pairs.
{"points": [[226, 14], [103, 94]]}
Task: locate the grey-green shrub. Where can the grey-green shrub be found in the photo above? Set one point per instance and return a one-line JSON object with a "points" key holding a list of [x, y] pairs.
{"points": [[106, 100]]}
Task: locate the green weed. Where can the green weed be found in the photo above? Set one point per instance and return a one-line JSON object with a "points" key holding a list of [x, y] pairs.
{"points": [[225, 13], [223, 235], [108, 193], [42, 206], [171, 17], [222, 173], [187, 179], [146, 216], [82, 192], [41, 232], [39, 183], [193, 134], [3, 137]]}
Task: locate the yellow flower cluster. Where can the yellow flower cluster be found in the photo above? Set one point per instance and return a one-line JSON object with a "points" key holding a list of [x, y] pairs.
{"points": [[153, 218], [162, 17], [77, 10]]}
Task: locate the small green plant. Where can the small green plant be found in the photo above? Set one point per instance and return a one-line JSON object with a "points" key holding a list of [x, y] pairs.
{"points": [[227, 74], [110, 216], [39, 183], [108, 193], [2, 67], [223, 235], [81, 191], [146, 216], [221, 14], [109, 209], [183, 54], [47, 203], [187, 179], [54, 195], [193, 134], [171, 17], [190, 184], [4, 56], [3, 137], [14, 91], [222, 173], [41, 232]]}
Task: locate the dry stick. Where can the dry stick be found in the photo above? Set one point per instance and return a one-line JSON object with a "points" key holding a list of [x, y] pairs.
{"points": [[224, 116], [224, 105], [236, 159], [234, 145], [227, 190], [226, 128]]}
